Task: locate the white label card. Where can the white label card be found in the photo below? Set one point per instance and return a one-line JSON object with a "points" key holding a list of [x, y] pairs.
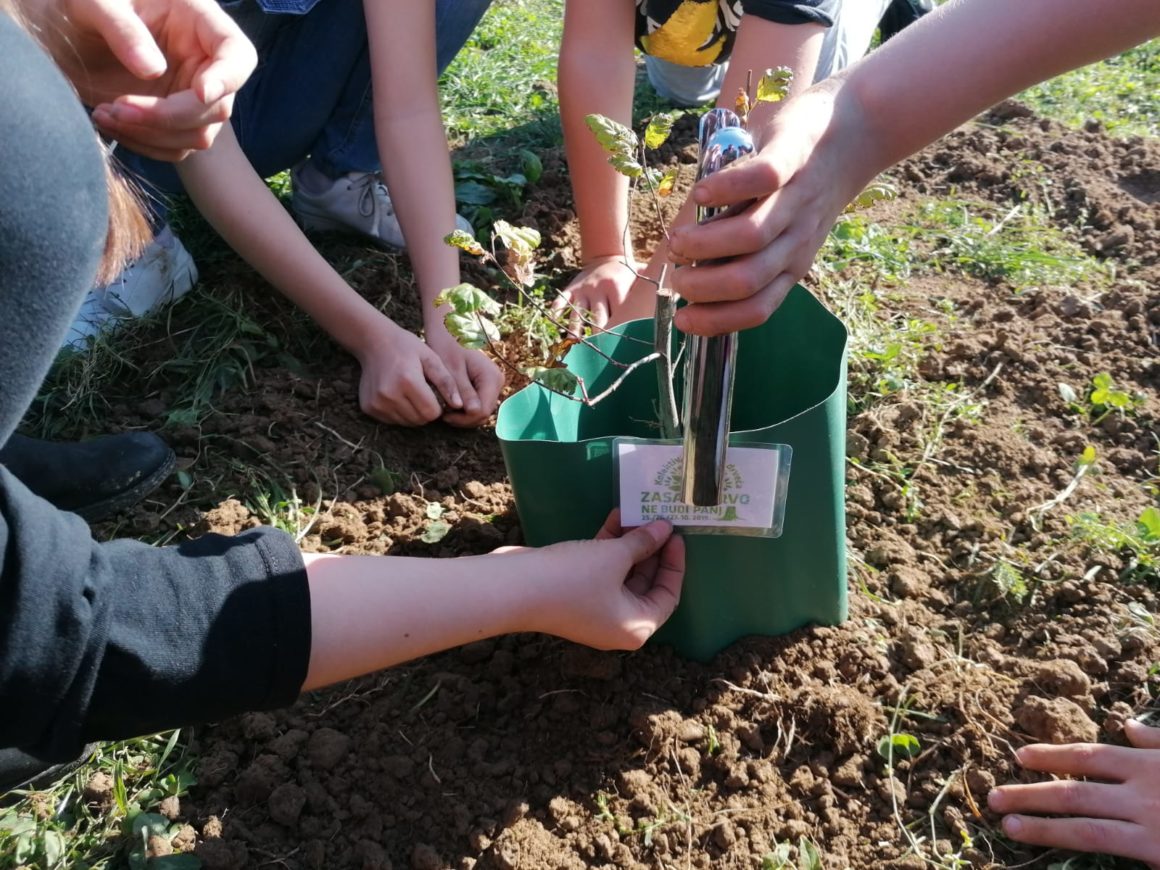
{"points": [[650, 487]]}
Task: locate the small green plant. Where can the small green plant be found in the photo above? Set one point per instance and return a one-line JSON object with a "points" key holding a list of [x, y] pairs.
{"points": [[898, 744], [436, 528], [1003, 582], [1138, 543], [805, 856], [1106, 397]]}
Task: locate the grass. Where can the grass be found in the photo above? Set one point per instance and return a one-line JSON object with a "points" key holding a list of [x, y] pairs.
{"points": [[63, 827], [1122, 93]]}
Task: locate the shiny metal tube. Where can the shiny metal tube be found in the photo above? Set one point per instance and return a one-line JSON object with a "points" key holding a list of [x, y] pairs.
{"points": [[711, 361]]}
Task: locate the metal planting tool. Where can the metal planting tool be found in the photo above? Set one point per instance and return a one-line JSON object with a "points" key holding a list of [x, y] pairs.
{"points": [[711, 361]]}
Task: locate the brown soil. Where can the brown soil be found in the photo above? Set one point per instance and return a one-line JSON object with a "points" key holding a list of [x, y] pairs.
{"points": [[528, 752]]}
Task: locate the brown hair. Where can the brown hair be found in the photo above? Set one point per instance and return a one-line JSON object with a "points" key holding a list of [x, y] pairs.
{"points": [[129, 229]]}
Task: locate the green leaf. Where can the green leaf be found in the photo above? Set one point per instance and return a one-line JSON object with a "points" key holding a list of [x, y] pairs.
{"points": [[808, 857], [521, 243], [879, 191], [518, 239], [615, 138], [474, 193], [625, 165], [558, 380], [1088, 457], [468, 299], [532, 165], [152, 824], [902, 745], [620, 143], [54, 848], [435, 532], [465, 241], [434, 510], [658, 129], [774, 84], [1149, 523], [473, 331]]}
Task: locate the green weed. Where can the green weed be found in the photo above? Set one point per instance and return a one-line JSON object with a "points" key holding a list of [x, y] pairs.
{"points": [[785, 856], [59, 827], [1122, 93], [505, 77], [1137, 543], [1021, 247]]}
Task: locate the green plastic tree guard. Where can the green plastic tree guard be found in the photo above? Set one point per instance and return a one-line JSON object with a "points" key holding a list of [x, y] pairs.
{"points": [[790, 389]]}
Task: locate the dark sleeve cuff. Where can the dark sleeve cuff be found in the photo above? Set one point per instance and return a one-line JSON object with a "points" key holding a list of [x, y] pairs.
{"points": [[796, 12]]}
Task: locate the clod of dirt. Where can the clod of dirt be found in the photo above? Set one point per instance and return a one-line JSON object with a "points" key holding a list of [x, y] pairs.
{"points": [[158, 847], [170, 807], [1064, 677], [99, 789], [848, 718], [258, 781], [286, 802], [259, 726], [1057, 720], [185, 838], [423, 857], [327, 748]]}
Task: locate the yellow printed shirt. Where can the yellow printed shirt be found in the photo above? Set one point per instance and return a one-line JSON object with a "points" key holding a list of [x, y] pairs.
{"points": [[701, 32]]}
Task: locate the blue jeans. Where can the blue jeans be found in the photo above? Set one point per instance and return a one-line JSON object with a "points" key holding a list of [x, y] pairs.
{"points": [[310, 95]]}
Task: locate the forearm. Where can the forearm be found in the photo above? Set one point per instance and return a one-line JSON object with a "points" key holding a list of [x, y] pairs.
{"points": [[596, 76], [412, 143], [237, 203], [971, 54], [763, 45], [371, 612], [418, 174]]}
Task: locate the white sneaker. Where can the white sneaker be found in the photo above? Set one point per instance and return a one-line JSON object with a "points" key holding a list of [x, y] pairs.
{"points": [[162, 274], [356, 202]]}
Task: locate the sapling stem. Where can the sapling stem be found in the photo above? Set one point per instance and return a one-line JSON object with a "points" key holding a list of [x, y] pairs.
{"points": [[666, 309]]}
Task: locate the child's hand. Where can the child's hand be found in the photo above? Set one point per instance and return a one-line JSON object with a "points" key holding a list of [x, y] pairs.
{"points": [[614, 592], [404, 381], [603, 288], [478, 379], [1117, 817], [161, 74], [806, 171]]}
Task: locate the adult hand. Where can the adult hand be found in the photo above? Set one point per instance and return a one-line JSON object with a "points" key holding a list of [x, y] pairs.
{"points": [[616, 591], [478, 380], [1117, 817], [805, 172], [403, 380], [604, 293], [161, 75]]}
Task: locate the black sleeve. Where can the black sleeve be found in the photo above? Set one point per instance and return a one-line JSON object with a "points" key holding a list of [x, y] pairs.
{"points": [[794, 11], [106, 641]]}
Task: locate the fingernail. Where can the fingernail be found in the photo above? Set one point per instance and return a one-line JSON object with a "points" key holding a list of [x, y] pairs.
{"points": [[995, 799], [700, 197], [1012, 825], [473, 407], [127, 114]]}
